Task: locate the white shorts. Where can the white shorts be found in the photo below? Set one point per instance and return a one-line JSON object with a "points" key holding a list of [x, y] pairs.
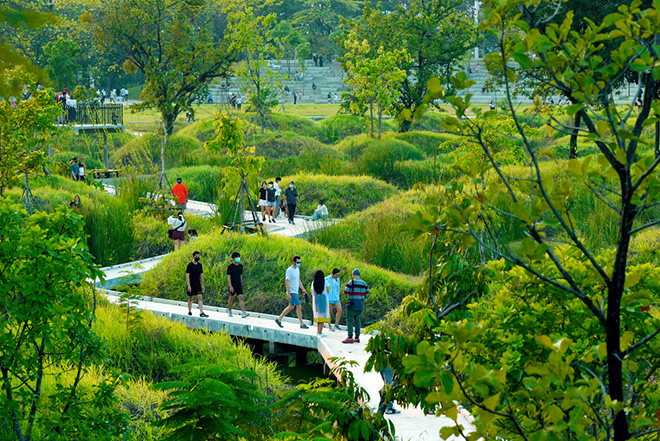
{"points": [[263, 203]]}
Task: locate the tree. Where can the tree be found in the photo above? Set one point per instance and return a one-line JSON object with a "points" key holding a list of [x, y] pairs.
{"points": [[562, 341], [47, 343], [174, 44], [63, 67], [434, 33], [372, 77], [24, 131]]}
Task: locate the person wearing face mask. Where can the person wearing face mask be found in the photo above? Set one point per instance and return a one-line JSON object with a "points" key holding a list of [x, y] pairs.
{"points": [[270, 195], [291, 195], [263, 201], [178, 231], [195, 283], [293, 283], [334, 286], [235, 280]]}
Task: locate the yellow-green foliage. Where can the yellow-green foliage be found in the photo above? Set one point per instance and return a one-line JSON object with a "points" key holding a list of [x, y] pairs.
{"points": [[342, 194], [205, 182], [375, 235], [293, 123], [107, 218], [265, 261], [645, 247], [428, 142], [202, 129], [338, 127]]}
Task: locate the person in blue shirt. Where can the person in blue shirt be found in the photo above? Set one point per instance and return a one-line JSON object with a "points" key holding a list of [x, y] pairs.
{"points": [[332, 282]]}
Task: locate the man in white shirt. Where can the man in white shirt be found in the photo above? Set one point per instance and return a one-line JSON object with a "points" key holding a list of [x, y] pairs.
{"points": [[292, 283]]}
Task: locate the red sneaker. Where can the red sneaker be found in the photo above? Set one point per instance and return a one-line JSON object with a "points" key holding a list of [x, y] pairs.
{"points": [[348, 340], [356, 340]]}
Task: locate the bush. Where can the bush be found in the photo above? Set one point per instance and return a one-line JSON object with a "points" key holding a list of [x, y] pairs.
{"points": [[205, 183], [286, 122], [107, 219], [427, 142], [432, 121], [286, 145], [143, 153], [265, 260], [299, 155], [342, 194], [331, 130], [363, 235]]}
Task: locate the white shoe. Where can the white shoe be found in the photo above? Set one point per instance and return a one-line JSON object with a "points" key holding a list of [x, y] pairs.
{"points": [[230, 314], [321, 335], [244, 314], [332, 328]]}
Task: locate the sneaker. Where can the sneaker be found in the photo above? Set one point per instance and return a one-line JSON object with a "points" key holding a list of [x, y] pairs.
{"points": [[392, 411], [332, 329], [279, 323], [293, 222], [274, 221], [348, 340], [311, 322], [263, 219], [321, 335], [356, 340], [203, 315], [304, 326], [189, 313], [230, 314], [338, 328], [244, 314]]}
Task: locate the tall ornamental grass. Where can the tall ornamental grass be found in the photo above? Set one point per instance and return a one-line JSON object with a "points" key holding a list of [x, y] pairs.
{"points": [[265, 261]]}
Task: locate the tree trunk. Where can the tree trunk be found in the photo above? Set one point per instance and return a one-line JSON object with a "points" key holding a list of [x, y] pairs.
{"points": [[405, 126], [657, 138], [574, 136], [371, 112], [380, 120], [169, 116]]}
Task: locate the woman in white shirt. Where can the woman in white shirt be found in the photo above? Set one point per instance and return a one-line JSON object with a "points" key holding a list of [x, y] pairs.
{"points": [[321, 211], [81, 171], [178, 224]]}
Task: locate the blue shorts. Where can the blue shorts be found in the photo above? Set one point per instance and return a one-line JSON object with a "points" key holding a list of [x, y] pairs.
{"points": [[333, 302], [271, 204], [295, 301]]}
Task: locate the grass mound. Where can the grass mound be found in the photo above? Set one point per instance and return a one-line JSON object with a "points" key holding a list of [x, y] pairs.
{"points": [[427, 142], [265, 261], [337, 127], [343, 195], [363, 235], [287, 122]]}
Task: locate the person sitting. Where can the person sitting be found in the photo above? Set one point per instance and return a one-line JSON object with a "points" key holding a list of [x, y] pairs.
{"points": [[321, 211], [75, 203]]}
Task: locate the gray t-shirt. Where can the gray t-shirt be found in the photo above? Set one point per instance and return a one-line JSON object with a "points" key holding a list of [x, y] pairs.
{"points": [[291, 195], [293, 276]]}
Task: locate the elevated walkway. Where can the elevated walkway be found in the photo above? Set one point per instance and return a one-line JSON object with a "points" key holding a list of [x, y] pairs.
{"points": [[411, 424]]}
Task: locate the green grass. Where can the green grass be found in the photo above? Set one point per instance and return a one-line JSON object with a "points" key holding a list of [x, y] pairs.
{"points": [[375, 235], [265, 261]]}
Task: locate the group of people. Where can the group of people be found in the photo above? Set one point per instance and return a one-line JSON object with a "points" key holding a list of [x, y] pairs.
{"points": [[114, 97], [273, 205], [318, 60], [68, 104], [235, 101], [325, 292], [178, 231], [77, 170]]}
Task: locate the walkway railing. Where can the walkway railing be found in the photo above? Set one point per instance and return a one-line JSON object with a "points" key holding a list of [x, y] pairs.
{"points": [[95, 114]]}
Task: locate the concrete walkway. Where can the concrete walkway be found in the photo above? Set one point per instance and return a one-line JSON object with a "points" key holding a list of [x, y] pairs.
{"points": [[411, 424]]}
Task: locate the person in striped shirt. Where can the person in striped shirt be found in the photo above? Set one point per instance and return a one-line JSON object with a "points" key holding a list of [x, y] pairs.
{"points": [[357, 291]]}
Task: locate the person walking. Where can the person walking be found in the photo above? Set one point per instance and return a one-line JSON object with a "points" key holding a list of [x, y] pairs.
{"points": [[195, 283], [314, 88], [239, 102], [320, 303], [178, 230], [357, 291], [270, 195], [293, 283], [316, 59], [291, 195], [389, 380], [263, 200], [329, 98], [321, 60], [295, 97], [75, 169], [278, 194], [235, 281], [180, 191], [332, 281], [81, 171], [299, 97]]}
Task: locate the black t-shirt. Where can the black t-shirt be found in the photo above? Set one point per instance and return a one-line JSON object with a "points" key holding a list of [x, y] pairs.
{"points": [[262, 194], [195, 270], [271, 194], [234, 272], [291, 195]]}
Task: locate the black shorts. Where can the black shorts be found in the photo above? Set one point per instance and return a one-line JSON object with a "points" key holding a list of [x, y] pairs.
{"points": [[237, 292], [194, 293]]}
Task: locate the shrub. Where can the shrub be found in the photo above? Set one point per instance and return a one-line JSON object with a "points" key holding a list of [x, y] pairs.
{"points": [[205, 183], [331, 130], [265, 260], [375, 235], [313, 157], [286, 122], [378, 158], [427, 142], [432, 121], [342, 194], [285, 145], [143, 153], [107, 219], [645, 247]]}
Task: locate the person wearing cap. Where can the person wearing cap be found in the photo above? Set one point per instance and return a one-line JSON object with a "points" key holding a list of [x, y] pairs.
{"points": [[357, 291], [181, 193]]}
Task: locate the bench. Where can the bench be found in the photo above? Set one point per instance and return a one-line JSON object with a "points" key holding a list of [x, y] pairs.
{"points": [[99, 174]]}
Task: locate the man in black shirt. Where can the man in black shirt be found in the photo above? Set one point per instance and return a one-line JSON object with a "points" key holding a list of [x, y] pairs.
{"points": [[291, 196], [195, 282], [235, 280]]}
